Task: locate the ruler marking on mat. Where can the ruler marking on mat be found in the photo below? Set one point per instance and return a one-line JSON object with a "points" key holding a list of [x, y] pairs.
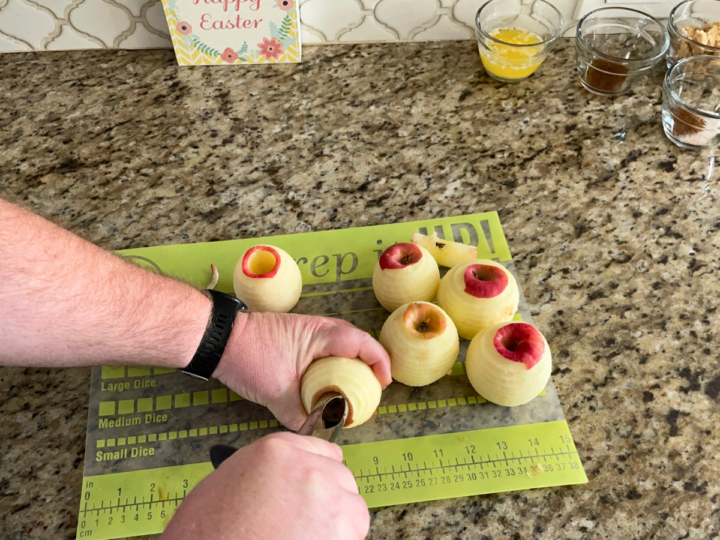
{"points": [[387, 472], [136, 505], [205, 431], [124, 407], [474, 463]]}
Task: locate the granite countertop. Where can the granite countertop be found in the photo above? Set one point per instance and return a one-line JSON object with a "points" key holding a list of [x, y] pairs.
{"points": [[614, 232]]}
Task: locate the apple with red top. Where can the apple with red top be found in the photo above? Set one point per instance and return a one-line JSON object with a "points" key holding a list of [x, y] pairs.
{"points": [[405, 273], [422, 342], [509, 363], [520, 342], [267, 279], [484, 280], [445, 252], [477, 294]]}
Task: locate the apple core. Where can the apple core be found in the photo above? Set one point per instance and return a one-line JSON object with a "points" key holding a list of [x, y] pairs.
{"points": [[424, 320], [332, 388]]}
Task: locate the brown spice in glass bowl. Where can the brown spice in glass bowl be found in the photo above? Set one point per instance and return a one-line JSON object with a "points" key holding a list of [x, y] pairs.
{"points": [[686, 122], [606, 76]]}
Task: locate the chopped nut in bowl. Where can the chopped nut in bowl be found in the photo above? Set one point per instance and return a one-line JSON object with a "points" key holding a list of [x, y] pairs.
{"points": [[694, 28]]}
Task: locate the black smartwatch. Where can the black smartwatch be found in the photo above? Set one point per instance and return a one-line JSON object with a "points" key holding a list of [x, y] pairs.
{"points": [[207, 357]]}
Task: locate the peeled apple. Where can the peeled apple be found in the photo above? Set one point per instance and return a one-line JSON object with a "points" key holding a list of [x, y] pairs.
{"points": [[422, 342], [267, 278], [477, 294], [405, 273], [351, 377], [509, 363]]}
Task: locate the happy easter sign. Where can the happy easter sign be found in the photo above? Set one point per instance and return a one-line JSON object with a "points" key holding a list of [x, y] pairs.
{"points": [[218, 32]]}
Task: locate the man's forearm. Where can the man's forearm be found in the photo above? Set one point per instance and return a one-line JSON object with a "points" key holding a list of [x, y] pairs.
{"points": [[64, 301]]}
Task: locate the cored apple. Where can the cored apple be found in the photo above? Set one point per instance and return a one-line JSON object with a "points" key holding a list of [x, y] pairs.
{"points": [[509, 363], [445, 252], [422, 342], [477, 294], [405, 273], [351, 377], [267, 279]]}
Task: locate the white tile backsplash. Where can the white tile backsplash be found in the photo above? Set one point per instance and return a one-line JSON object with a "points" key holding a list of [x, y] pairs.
{"points": [[25, 24], [136, 24], [331, 19]]}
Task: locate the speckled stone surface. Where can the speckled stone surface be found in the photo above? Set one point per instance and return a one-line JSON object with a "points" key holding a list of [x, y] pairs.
{"points": [[615, 234]]}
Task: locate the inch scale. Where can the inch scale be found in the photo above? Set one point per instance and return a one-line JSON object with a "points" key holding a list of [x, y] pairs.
{"points": [[389, 472]]}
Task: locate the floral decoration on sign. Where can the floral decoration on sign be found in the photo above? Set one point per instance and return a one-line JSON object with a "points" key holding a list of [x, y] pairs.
{"points": [[223, 32], [230, 56], [270, 48], [184, 28]]}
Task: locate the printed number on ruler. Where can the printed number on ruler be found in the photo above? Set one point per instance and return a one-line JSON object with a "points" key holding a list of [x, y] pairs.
{"points": [[135, 503], [461, 464]]}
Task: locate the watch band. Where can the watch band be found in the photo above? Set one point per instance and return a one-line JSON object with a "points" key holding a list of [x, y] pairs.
{"points": [[211, 348]]}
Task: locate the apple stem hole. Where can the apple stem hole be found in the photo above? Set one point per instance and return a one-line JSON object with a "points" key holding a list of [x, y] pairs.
{"points": [[483, 275], [510, 344]]}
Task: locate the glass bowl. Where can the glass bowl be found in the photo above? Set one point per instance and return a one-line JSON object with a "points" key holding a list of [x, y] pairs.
{"points": [[691, 102], [515, 37], [691, 13], [616, 46]]}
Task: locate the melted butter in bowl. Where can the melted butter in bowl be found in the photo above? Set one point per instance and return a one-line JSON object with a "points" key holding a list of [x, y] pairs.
{"points": [[515, 37], [510, 57]]}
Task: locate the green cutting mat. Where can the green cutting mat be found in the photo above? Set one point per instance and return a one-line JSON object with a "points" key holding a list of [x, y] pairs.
{"points": [[150, 429]]}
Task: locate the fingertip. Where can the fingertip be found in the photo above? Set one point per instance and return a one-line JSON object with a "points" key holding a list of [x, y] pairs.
{"points": [[383, 375], [377, 357], [338, 450], [348, 340]]}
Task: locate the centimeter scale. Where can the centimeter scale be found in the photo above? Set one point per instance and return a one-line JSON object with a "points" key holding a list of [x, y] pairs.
{"points": [[150, 429]]}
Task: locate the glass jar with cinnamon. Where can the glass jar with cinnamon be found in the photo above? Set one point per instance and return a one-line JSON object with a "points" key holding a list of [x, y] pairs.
{"points": [[691, 102], [616, 46]]}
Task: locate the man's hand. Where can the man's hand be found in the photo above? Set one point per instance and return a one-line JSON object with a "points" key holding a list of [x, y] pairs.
{"points": [[66, 302], [267, 355], [282, 486]]}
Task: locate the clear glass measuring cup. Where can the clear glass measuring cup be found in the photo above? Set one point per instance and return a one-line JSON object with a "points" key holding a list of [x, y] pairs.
{"points": [[691, 102]]}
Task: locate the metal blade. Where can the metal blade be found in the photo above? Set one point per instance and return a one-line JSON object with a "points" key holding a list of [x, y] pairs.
{"points": [[327, 417], [325, 421]]}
